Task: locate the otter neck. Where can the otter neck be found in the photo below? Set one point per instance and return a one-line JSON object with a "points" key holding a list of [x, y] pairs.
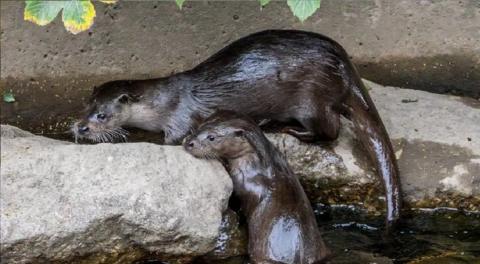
{"points": [[251, 181], [247, 163], [141, 116]]}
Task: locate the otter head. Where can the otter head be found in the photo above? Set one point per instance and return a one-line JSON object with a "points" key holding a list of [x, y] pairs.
{"points": [[109, 108], [221, 136]]}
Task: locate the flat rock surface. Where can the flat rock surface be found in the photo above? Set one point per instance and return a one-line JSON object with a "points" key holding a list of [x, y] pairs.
{"points": [[105, 203]]}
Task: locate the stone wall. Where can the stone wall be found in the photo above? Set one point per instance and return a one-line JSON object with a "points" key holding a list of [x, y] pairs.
{"points": [[430, 45]]}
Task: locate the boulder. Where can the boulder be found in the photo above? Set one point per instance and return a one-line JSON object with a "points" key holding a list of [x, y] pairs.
{"points": [[106, 203]]}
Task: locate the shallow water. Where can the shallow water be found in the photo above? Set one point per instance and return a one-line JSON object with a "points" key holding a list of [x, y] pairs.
{"points": [[439, 236], [425, 236]]}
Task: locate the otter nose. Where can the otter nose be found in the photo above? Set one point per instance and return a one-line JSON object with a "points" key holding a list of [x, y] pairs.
{"points": [[83, 129], [189, 144]]}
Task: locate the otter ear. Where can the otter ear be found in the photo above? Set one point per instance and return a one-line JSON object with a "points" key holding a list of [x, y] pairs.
{"points": [[238, 132], [126, 98]]}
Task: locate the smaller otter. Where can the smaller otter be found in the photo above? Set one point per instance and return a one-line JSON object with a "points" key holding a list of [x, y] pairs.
{"points": [[281, 224]]}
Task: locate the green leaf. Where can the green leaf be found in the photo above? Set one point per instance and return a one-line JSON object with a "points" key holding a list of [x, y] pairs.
{"points": [[42, 12], [8, 97], [264, 2], [108, 1], [179, 3], [303, 8], [78, 15]]}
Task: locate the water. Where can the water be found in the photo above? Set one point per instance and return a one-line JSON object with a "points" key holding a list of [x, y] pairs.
{"points": [[440, 236], [425, 236]]}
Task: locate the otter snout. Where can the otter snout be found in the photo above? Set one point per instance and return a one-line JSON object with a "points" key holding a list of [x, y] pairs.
{"points": [[193, 146], [81, 128], [190, 143]]}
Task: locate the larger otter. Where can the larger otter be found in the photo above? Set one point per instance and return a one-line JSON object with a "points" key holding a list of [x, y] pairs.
{"points": [[281, 224], [279, 75]]}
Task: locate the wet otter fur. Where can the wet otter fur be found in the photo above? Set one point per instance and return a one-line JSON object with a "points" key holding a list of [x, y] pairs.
{"points": [[279, 75], [281, 224]]}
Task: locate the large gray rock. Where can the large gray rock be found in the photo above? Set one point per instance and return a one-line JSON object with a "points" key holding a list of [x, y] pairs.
{"points": [[106, 203], [437, 143]]}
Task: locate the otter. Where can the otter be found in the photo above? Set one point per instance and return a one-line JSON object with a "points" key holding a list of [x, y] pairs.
{"points": [[281, 224], [303, 80]]}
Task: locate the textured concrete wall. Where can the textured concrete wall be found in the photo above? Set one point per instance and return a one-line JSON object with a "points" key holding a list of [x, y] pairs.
{"points": [[142, 38], [426, 44]]}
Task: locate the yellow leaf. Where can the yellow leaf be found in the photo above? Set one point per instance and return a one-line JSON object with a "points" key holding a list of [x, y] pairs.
{"points": [[78, 15], [108, 1], [42, 12], [30, 17]]}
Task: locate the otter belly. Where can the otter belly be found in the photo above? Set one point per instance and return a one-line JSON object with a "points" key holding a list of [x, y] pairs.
{"points": [[278, 236]]}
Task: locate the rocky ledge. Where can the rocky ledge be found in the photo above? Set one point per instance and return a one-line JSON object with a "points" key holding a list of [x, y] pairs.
{"points": [[120, 203], [106, 203]]}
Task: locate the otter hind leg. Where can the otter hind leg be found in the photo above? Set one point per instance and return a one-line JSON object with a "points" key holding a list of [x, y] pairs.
{"points": [[301, 133], [325, 126]]}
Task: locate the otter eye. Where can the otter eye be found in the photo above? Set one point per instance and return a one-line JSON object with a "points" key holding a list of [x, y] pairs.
{"points": [[101, 117], [123, 98], [210, 137]]}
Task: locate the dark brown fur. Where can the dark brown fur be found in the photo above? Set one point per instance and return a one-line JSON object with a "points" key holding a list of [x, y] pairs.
{"points": [[279, 75], [282, 226]]}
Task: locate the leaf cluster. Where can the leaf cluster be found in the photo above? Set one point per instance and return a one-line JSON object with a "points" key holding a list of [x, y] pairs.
{"points": [[78, 15]]}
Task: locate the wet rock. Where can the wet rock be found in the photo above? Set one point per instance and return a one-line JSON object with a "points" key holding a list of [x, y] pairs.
{"points": [[106, 203], [437, 143], [231, 243]]}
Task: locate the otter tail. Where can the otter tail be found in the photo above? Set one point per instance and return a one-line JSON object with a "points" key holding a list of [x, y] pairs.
{"points": [[359, 108]]}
